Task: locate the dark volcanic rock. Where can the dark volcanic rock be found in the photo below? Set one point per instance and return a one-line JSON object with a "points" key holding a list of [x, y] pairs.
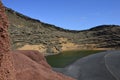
{"points": [[101, 66]]}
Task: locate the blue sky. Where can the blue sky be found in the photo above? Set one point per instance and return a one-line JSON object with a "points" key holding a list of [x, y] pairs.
{"points": [[69, 14]]}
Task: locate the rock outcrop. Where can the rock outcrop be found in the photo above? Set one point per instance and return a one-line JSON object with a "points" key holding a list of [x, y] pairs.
{"points": [[31, 65], [7, 71]]}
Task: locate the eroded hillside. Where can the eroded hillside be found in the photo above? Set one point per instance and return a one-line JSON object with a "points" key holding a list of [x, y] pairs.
{"points": [[28, 33]]}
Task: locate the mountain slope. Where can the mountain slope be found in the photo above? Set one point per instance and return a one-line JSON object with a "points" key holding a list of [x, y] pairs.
{"points": [[28, 33]]}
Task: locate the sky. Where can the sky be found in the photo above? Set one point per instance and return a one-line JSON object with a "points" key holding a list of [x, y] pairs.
{"points": [[69, 14]]}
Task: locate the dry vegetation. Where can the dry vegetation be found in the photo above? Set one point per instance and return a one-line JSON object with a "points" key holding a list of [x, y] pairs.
{"points": [[27, 31]]}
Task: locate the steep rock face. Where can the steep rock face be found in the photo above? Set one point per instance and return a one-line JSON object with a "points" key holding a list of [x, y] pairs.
{"points": [[31, 65], [7, 71], [22, 65], [47, 38]]}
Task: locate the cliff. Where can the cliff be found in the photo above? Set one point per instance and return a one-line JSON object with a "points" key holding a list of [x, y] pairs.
{"points": [[7, 71], [31, 34]]}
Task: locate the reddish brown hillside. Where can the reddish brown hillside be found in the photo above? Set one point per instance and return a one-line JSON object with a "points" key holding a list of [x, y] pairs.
{"points": [[31, 65], [6, 62]]}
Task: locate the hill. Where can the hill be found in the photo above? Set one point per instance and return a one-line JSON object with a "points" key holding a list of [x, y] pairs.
{"points": [[31, 65], [32, 34]]}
